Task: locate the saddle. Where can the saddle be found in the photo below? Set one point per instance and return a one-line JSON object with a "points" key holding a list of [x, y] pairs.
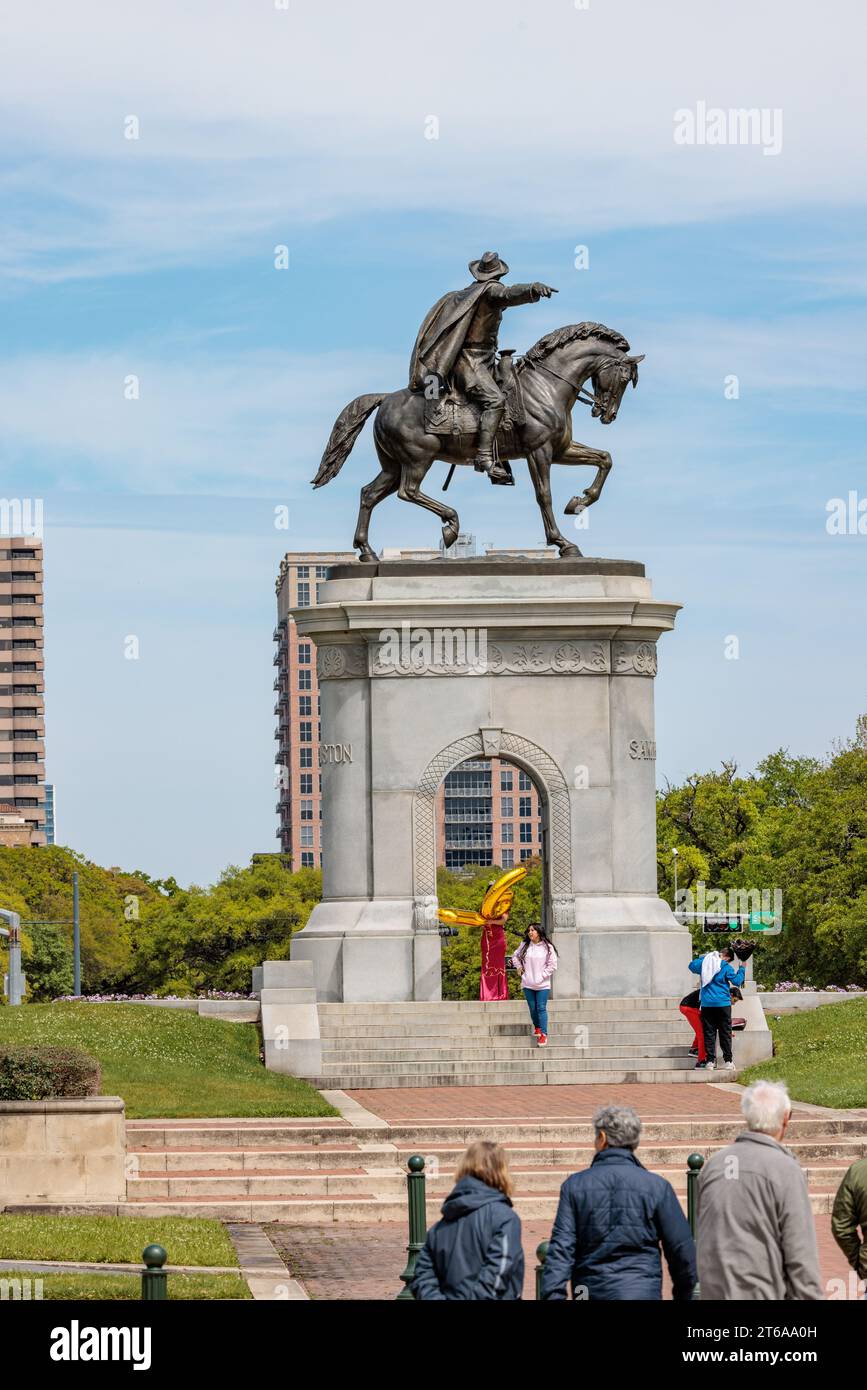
{"points": [[452, 413]]}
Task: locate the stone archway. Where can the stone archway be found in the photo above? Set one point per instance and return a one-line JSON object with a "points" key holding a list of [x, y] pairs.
{"points": [[493, 743]]}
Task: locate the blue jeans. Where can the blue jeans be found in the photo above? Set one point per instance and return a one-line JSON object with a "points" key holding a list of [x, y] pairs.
{"points": [[537, 1003]]}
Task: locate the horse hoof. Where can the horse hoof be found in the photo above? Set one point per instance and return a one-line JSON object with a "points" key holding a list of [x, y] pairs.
{"points": [[574, 505], [367, 556], [450, 534], [569, 552]]}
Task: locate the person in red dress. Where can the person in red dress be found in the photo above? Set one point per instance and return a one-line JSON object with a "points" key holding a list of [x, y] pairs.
{"points": [[492, 981]]}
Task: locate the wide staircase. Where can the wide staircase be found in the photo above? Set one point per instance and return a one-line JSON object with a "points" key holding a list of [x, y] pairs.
{"points": [[321, 1171], [470, 1044]]}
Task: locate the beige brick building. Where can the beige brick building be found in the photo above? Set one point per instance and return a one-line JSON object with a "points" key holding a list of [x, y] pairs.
{"points": [[22, 686], [487, 811]]}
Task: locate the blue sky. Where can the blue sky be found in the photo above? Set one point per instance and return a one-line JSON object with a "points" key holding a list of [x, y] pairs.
{"points": [[260, 126]]}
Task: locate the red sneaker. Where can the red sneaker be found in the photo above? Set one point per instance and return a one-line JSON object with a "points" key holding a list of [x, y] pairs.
{"points": [[543, 1039], [537, 1033]]}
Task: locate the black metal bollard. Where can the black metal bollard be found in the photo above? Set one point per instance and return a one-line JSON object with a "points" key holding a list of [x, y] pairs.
{"points": [[694, 1165], [415, 1200], [154, 1279], [541, 1256]]}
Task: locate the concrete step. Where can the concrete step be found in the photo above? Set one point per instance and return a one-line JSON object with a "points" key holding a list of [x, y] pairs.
{"points": [[622, 1076], [305, 1211], [171, 1163], [316, 1136], [391, 1182], [534, 1060], [500, 1053], [514, 1027], [463, 1007]]}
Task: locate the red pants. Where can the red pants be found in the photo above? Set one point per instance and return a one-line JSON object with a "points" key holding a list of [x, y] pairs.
{"points": [[693, 1018]]}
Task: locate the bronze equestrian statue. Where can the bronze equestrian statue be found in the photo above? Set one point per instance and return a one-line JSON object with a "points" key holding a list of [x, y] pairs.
{"points": [[463, 406]]}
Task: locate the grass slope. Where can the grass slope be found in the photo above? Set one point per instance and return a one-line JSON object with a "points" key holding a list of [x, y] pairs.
{"points": [[167, 1062], [821, 1054], [127, 1287], [114, 1239]]}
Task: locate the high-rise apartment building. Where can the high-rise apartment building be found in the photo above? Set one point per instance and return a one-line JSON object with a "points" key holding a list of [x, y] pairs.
{"points": [[487, 811], [22, 682]]}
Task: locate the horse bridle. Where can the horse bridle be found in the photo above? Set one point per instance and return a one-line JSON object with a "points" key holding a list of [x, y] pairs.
{"points": [[580, 394]]}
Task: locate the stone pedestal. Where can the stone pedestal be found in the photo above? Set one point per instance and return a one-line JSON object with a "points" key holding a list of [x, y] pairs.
{"points": [[289, 1016], [546, 663]]}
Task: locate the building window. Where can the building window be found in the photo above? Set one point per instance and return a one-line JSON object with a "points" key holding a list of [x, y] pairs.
{"points": [[302, 571], [306, 860], [303, 595], [304, 653], [321, 571], [305, 732], [306, 783], [508, 858], [526, 854], [306, 836], [525, 806], [526, 832], [506, 781], [508, 834], [305, 680], [306, 810], [507, 806], [318, 593], [305, 757], [305, 704], [524, 782]]}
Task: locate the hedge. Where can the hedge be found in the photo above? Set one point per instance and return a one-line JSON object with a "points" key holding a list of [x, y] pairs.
{"points": [[44, 1073]]}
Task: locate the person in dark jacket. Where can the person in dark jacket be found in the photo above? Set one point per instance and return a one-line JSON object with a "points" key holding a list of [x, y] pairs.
{"points": [[475, 1251], [612, 1219]]}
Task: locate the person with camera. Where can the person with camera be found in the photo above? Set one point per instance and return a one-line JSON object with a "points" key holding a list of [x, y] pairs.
{"points": [[718, 975]]}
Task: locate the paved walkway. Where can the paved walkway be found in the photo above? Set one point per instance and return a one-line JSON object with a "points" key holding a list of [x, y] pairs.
{"points": [[365, 1262], [405, 1104]]}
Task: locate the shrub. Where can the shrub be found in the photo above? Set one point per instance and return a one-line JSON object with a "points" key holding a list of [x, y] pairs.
{"points": [[46, 1073]]}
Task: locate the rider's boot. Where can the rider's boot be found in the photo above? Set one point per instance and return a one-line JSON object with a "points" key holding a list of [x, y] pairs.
{"points": [[489, 422]]}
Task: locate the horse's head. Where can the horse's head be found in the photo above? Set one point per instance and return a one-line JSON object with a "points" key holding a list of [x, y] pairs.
{"points": [[610, 379]]}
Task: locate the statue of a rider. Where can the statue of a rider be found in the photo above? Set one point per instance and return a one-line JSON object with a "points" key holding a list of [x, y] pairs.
{"points": [[457, 344]]}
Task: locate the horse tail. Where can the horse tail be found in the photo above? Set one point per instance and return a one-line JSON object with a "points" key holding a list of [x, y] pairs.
{"points": [[347, 428]]}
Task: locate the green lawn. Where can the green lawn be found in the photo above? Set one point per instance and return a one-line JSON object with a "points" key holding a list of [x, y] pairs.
{"points": [[167, 1062], [111, 1287], [114, 1239], [821, 1054]]}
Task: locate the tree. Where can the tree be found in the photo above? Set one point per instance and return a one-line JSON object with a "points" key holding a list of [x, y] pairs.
{"points": [[48, 964]]}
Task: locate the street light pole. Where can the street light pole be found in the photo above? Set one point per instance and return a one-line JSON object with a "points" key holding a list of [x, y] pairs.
{"points": [[76, 938], [674, 858]]}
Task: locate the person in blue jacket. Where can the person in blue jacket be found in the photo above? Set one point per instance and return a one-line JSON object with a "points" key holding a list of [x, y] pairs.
{"points": [[611, 1222], [717, 977], [474, 1252]]}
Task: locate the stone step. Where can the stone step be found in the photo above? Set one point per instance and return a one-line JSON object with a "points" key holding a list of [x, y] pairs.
{"points": [[501, 1053], [387, 1182], [146, 1136], [313, 1159], [462, 1007], [390, 1034], [532, 1061], [616, 1076], [306, 1211]]}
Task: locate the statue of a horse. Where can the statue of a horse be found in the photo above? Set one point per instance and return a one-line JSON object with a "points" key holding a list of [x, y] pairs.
{"points": [[551, 377]]}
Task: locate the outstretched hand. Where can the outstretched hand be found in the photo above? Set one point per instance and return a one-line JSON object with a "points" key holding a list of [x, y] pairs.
{"points": [[544, 291]]}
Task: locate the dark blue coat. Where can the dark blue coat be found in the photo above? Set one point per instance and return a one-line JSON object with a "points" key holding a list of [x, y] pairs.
{"points": [[611, 1221], [475, 1251]]}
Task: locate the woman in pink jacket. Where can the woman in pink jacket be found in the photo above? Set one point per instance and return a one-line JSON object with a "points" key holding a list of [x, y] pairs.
{"points": [[536, 959]]}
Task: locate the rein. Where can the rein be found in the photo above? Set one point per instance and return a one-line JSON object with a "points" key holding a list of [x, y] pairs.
{"points": [[580, 394]]}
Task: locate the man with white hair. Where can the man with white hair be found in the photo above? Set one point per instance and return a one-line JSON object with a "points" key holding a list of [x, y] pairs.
{"points": [[756, 1238]]}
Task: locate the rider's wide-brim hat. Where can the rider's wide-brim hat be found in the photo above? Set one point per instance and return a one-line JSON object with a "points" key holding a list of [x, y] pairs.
{"points": [[488, 267]]}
